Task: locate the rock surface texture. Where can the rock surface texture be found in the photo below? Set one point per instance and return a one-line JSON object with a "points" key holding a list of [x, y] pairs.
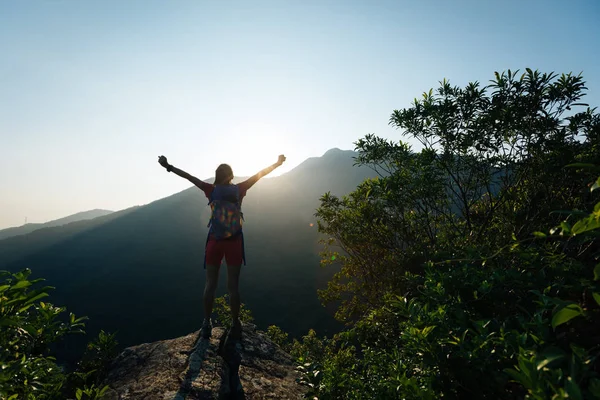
{"points": [[193, 368]]}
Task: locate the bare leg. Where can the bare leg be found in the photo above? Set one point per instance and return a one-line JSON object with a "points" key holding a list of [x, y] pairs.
{"points": [[212, 278], [233, 281]]}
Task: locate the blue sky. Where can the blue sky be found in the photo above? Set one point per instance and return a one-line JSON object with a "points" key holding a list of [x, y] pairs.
{"points": [[93, 91]]}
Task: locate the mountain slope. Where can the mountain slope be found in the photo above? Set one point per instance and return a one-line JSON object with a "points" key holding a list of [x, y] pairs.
{"points": [[140, 273], [17, 247], [28, 228]]}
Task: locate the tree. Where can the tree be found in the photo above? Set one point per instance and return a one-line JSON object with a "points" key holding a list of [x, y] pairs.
{"points": [[469, 269], [489, 156]]}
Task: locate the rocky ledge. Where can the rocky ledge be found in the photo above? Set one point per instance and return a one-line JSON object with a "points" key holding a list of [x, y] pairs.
{"points": [[193, 368]]}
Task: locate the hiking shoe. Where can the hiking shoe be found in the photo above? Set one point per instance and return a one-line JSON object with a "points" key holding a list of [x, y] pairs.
{"points": [[206, 330], [235, 332]]}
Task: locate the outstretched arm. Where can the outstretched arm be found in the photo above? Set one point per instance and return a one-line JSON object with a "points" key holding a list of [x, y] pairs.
{"points": [[253, 179], [162, 160]]}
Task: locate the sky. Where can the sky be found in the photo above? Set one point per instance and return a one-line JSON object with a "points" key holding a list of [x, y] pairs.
{"points": [[92, 92]]}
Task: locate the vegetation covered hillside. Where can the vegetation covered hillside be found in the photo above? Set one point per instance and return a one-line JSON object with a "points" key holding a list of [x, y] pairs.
{"points": [[454, 289], [139, 271]]}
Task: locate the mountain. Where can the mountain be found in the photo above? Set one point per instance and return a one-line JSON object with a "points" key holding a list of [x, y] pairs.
{"points": [[140, 271], [19, 247], [28, 228]]}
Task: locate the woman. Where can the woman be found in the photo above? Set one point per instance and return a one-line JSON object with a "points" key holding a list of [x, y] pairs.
{"points": [[225, 237]]}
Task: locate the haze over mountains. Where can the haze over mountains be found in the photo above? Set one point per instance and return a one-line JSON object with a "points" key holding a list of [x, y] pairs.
{"points": [[140, 272], [27, 228]]}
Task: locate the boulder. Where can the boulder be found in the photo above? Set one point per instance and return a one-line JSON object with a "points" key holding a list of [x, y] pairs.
{"points": [[191, 368]]}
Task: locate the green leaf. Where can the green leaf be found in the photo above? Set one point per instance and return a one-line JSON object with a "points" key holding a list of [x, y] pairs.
{"points": [[571, 212], [565, 314], [596, 297], [549, 356], [586, 225], [539, 234], [23, 309], [4, 321], [39, 296], [30, 329], [518, 376], [572, 389], [582, 165], [20, 285], [597, 272], [527, 368], [427, 330], [596, 185], [594, 387]]}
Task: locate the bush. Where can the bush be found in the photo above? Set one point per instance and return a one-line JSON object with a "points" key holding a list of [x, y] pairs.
{"points": [[29, 327], [223, 312], [279, 337]]}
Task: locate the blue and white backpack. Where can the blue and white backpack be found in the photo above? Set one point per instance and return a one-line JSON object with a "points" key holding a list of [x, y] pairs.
{"points": [[226, 212]]}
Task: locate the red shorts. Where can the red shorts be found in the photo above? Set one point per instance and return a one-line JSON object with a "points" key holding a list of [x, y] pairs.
{"points": [[231, 249]]}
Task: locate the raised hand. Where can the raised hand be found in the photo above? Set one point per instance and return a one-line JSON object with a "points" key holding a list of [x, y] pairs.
{"points": [[281, 159], [162, 160]]}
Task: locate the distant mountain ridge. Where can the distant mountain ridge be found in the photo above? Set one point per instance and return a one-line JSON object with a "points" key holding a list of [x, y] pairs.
{"points": [[28, 228], [139, 271]]}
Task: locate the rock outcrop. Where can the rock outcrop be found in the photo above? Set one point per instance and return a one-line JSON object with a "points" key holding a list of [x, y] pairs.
{"points": [[193, 368]]}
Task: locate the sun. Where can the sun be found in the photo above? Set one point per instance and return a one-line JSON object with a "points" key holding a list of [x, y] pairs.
{"points": [[256, 147]]}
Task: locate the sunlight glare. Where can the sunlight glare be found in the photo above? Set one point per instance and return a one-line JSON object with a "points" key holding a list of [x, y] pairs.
{"points": [[257, 146]]}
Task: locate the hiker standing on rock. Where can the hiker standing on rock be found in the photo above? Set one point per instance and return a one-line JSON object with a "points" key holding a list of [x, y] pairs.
{"points": [[225, 237]]}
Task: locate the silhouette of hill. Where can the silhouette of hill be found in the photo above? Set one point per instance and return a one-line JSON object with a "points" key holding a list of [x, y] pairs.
{"points": [[28, 228], [18, 247], [140, 271]]}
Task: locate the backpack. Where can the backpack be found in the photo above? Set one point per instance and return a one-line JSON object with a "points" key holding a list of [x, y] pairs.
{"points": [[226, 212]]}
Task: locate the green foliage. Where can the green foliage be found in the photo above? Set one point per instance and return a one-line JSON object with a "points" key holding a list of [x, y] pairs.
{"points": [[311, 348], [491, 165], [90, 393], [99, 352], [223, 312], [311, 353], [449, 279], [29, 328], [279, 337], [95, 362]]}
